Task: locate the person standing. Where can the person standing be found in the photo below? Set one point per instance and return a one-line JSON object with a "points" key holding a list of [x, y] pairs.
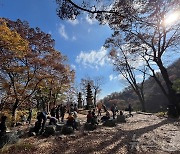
{"points": [[104, 107], [130, 110], [29, 116], [99, 107], [114, 110], [62, 111], [53, 112], [57, 112]]}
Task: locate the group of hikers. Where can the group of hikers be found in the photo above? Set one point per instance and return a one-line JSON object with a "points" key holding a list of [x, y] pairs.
{"points": [[57, 114]]}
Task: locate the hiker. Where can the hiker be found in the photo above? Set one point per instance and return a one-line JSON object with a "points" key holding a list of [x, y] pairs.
{"points": [[40, 123], [99, 107], [75, 107], [71, 121], [130, 110], [57, 112], [3, 126], [29, 116], [71, 108], [62, 112], [114, 110], [89, 117], [106, 117], [53, 112], [93, 112], [104, 107]]}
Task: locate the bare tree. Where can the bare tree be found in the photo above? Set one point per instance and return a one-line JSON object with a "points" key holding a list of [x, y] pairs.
{"points": [[143, 24], [97, 83], [128, 67], [147, 30]]}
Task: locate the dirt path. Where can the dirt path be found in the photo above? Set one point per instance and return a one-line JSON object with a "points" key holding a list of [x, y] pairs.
{"points": [[141, 134]]}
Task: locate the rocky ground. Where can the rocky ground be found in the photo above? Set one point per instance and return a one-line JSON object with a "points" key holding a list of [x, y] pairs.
{"points": [[142, 133]]}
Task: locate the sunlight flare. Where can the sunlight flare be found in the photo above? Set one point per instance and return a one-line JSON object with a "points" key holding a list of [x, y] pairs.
{"points": [[171, 18]]}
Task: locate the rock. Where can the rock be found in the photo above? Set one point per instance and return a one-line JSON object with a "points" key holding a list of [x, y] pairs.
{"points": [[67, 130], [20, 133], [73, 136], [59, 127], [31, 131], [110, 123], [121, 118], [89, 126], [50, 130], [8, 138]]}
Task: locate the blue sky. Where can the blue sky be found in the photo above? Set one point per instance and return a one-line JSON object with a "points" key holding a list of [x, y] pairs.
{"points": [[80, 40]]}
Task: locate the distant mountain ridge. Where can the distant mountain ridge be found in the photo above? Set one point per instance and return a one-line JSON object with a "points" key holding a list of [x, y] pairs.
{"points": [[155, 99]]}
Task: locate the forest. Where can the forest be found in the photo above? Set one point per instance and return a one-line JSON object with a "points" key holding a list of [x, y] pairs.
{"points": [[42, 104]]}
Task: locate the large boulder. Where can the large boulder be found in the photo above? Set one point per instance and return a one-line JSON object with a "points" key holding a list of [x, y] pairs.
{"points": [[67, 130], [49, 130], [21, 133], [110, 123], [8, 138], [59, 127], [89, 126]]}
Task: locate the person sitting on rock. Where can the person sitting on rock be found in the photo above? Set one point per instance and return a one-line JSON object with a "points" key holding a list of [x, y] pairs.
{"points": [[71, 121], [94, 119], [121, 117], [37, 126], [106, 117], [3, 126], [52, 120], [89, 117]]}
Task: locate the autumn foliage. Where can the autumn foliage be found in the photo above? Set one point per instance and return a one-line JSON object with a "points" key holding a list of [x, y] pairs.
{"points": [[30, 63]]}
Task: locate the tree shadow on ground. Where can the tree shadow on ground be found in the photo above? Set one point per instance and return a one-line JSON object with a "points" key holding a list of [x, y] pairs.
{"points": [[104, 142]]}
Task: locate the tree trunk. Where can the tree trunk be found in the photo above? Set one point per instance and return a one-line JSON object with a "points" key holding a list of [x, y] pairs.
{"points": [[172, 97], [141, 99]]}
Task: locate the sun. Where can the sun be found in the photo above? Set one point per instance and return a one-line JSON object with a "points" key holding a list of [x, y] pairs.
{"points": [[171, 18]]}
